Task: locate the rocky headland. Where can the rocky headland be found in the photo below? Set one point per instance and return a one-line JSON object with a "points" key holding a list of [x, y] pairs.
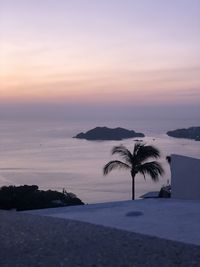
{"points": [[189, 133]]}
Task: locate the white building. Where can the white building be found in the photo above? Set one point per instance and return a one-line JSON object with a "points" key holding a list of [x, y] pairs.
{"points": [[185, 177]]}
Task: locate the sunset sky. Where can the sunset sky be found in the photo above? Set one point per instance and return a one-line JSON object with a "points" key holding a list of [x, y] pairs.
{"points": [[117, 52]]}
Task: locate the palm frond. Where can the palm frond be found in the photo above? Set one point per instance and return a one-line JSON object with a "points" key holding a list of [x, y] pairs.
{"points": [[123, 152], [137, 147], [144, 152], [115, 164], [153, 169]]}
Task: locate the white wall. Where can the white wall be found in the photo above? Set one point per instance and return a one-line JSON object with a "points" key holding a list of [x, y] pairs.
{"points": [[185, 177]]}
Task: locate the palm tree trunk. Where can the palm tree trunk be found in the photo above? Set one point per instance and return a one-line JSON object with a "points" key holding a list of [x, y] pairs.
{"points": [[133, 186]]}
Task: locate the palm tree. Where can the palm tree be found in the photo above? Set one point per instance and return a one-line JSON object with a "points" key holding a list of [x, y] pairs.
{"points": [[136, 162]]}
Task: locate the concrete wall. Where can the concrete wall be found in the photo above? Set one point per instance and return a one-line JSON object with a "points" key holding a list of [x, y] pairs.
{"points": [[185, 177]]}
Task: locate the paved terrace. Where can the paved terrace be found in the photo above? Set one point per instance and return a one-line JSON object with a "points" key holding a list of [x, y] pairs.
{"points": [[177, 220], [32, 240]]}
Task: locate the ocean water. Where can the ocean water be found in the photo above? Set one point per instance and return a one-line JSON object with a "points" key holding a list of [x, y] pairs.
{"points": [[44, 153]]}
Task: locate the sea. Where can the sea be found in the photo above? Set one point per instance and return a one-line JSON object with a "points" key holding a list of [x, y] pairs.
{"points": [[46, 154]]}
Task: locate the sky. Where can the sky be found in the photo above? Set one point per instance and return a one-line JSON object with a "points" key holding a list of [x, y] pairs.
{"points": [[85, 54]]}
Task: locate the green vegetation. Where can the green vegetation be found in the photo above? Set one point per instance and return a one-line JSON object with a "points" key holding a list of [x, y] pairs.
{"points": [[136, 162]]}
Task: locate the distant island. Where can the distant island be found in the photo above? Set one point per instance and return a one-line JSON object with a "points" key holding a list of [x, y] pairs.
{"points": [[105, 133], [189, 133]]}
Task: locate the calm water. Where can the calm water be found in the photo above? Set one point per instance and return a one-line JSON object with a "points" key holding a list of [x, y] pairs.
{"points": [[44, 153]]}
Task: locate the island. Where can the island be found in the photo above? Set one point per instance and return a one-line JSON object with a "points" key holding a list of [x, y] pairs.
{"points": [[189, 133], [105, 133]]}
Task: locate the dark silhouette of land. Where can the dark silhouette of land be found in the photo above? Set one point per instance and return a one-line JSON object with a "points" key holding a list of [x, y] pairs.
{"points": [[28, 197], [189, 133], [105, 133]]}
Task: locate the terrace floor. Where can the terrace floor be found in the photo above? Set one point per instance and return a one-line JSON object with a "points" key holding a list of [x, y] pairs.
{"points": [[40, 241], [177, 220]]}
